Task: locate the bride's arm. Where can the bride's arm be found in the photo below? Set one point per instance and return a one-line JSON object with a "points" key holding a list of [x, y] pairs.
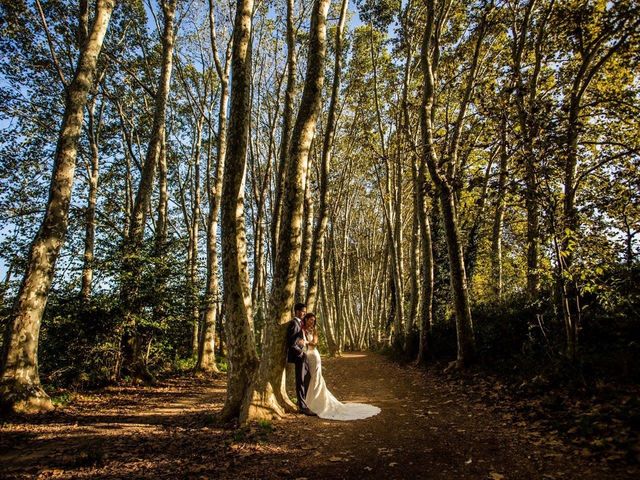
{"points": [[314, 341]]}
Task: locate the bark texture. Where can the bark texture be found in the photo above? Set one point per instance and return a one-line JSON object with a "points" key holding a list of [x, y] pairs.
{"points": [[317, 247], [134, 341], [444, 191], [20, 388], [206, 353], [243, 359], [268, 392]]}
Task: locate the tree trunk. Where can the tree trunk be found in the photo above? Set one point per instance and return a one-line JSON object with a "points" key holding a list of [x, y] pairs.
{"points": [[307, 236], [399, 263], [285, 135], [533, 227], [414, 273], [20, 388], [444, 192], [325, 320], [317, 248], [426, 310], [206, 353], [259, 287], [243, 359], [428, 272], [526, 100], [161, 268], [268, 392], [134, 340], [193, 288], [498, 219], [571, 224], [464, 325], [608, 43], [90, 215]]}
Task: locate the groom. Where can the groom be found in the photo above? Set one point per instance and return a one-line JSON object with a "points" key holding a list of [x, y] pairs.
{"points": [[297, 356]]}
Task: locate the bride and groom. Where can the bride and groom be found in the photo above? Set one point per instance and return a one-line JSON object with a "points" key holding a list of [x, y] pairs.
{"points": [[314, 398]]}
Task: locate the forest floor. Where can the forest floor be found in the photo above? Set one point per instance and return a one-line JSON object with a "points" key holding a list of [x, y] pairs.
{"points": [[429, 428]]}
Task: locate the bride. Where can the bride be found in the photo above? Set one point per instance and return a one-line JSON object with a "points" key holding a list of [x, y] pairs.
{"points": [[319, 399]]}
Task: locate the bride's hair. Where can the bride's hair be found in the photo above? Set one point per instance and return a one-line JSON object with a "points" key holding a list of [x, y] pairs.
{"points": [[306, 318]]}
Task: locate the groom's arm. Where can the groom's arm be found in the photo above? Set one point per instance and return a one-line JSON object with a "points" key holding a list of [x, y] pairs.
{"points": [[292, 335]]}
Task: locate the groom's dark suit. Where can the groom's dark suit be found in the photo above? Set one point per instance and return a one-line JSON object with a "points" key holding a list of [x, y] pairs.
{"points": [[296, 355]]}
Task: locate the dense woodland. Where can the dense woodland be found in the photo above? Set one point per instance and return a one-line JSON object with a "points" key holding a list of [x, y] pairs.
{"points": [[445, 180]]}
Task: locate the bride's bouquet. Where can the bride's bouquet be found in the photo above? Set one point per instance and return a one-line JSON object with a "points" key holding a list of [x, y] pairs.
{"points": [[302, 343]]}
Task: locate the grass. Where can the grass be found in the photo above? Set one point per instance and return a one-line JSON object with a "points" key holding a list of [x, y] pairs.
{"points": [[62, 399], [223, 366], [184, 365]]}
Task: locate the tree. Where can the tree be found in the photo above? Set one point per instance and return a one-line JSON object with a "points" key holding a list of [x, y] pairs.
{"points": [[206, 353], [317, 248], [134, 340], [20, 388], [243, 358], [268, 390], [441, 172], [600, 34]]}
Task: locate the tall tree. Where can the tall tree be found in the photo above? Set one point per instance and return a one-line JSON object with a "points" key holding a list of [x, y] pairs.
{"points": [[528, 38], [287, 120], [440, 174], [317, 247], [243, 358], [599, 36], [93, 170], [268, 392], [134, 359], [498, 219], [20, 388], [206, 352]]}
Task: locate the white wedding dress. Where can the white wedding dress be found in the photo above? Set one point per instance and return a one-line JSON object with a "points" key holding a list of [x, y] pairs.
{"points": [[320, 400]]}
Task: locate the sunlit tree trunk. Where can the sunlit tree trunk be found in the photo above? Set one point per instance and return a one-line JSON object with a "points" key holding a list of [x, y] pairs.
{"points": [[317, 248], [243, 359], [307, 240], [399, 266], [426, 307], [392, 204], [268, 393], [193, 287], [20, 388], [206, 353], [258, 290], [160, 240], [285, 134], [405, 122], [326, 320], [93, 171], [526, 102]]}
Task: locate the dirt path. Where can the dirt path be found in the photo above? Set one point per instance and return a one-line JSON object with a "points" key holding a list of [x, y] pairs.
{"points": [[427, 429]]}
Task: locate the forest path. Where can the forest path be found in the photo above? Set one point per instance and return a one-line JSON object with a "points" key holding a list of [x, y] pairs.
{"points": [[427, 429]]}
